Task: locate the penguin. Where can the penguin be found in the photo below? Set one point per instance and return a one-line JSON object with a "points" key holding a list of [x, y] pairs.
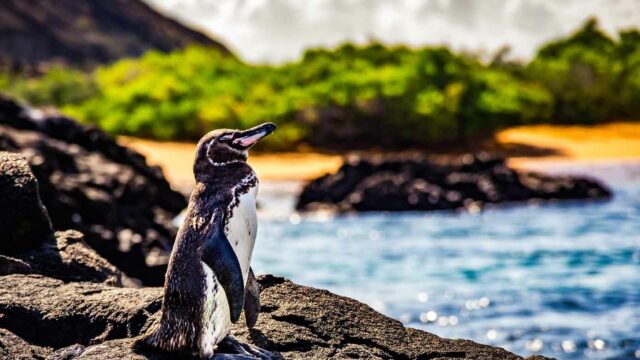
{"points": [[209, 280]]}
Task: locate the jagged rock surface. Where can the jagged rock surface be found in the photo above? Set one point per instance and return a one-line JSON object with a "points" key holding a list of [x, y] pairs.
{"points": [[419, 183], [90, 183], [14, 348]]}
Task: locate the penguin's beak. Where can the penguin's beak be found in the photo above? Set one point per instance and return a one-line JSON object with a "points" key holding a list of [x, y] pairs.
{"points": [[250, 137]]}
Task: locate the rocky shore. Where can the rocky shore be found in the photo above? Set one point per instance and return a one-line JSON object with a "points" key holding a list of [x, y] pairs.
{"points": [[47, 318], [60, 299], [423, 183]]}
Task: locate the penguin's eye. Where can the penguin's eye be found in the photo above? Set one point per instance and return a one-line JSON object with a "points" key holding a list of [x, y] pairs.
{"points": [[225, 137]]}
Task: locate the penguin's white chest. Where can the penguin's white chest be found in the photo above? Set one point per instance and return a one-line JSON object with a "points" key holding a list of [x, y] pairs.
{"points": [[216, 318], [241, 228]]}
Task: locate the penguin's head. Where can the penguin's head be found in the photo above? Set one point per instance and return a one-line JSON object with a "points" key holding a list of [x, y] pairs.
{"points": [[225, 146]]}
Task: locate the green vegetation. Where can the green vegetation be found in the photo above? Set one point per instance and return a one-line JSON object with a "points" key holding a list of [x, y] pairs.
{"points": [[353, 96], [591, 76]]}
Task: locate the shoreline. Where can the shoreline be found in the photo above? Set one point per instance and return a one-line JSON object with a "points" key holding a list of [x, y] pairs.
{"points": [[550, 146]]}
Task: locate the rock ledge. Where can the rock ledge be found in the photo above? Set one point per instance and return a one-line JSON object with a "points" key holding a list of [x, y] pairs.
{"points": [[95, 321]]}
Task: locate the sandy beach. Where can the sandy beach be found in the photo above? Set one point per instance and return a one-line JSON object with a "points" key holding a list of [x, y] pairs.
{"points": [[551, 145], [607, 143]]}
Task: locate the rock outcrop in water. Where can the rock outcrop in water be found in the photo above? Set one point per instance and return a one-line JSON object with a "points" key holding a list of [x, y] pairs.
{"points": [[61, 300], [420, 183], [90, 183]]}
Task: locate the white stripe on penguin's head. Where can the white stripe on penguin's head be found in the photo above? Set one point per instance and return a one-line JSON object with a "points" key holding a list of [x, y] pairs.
{"points": [[223, 163]]}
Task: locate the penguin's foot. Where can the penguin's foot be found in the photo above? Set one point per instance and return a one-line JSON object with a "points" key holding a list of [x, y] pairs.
{"points": [[231, 348]]}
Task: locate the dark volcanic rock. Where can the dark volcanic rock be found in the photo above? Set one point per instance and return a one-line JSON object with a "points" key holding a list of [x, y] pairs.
{"points": [[68, 258], [95, 321], [15, 348], [421, 183], [48, 312], [87, 31], [90, 183], [24, 222], [28, 244], [302, 322]]}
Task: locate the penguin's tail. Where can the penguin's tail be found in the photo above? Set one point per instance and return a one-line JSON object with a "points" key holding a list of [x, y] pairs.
{"points": [[164, 340], [155, 339], [148, 341]]}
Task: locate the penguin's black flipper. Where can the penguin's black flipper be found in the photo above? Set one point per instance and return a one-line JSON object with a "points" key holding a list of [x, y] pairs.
{"points": [[252, 300], [218, 254]]}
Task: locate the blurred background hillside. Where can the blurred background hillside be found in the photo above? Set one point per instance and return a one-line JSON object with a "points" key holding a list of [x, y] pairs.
{"points": [[551, 86]]}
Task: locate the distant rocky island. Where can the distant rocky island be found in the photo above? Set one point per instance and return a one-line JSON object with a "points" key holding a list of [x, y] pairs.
{"points": [[63, 298], [426, 183], [87, 32]]}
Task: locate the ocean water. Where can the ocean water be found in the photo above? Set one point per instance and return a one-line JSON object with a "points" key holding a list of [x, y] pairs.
{"points": [[560, 280]]}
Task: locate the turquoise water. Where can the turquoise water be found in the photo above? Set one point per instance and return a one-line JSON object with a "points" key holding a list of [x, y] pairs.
{"points": [[561, 280]]}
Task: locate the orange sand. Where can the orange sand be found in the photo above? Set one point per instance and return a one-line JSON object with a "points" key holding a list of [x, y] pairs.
{"points": [[588, 144], [609, 142]]}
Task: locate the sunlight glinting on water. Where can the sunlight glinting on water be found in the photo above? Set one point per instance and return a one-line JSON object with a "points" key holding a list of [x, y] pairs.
{"points": [[558, 279]]}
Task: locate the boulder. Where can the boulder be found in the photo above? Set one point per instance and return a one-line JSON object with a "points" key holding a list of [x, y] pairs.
{"points": [[94, 321], [28, 244], [50, 313], [68, 258], [422, 183], [90, 183], [24, 222]]}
